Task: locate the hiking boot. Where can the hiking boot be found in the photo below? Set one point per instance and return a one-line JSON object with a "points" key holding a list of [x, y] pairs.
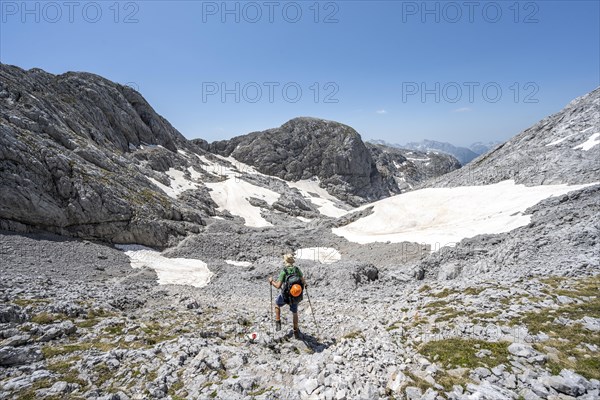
{"points": [[277, 325]]}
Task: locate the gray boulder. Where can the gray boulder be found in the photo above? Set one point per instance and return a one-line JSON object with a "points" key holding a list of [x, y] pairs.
{"points": [[11, 356]]}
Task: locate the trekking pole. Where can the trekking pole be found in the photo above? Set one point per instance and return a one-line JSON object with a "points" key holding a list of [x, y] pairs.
{"points": [[312, 310], [271, 303]]}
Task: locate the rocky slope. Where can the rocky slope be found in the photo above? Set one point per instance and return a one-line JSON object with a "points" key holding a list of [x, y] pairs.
{"points": [[77, 322], [76, 152], [562, 148]]}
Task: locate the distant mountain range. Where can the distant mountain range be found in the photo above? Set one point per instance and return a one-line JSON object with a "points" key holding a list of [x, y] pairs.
{"points": [[462, 154]]}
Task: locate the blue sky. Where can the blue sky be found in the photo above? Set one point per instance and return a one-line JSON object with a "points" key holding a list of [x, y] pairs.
{"points": [[394, 70]]}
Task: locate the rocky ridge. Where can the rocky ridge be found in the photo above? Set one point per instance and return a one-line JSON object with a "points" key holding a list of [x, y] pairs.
{"points": [[561, 148]]}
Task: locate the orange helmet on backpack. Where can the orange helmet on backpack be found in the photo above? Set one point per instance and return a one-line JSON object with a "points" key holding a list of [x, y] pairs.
{"points": [[296, 290]]}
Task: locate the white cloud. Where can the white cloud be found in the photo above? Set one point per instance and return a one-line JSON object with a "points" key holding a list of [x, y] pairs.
{"points": [[381, 112], [463, 109]]}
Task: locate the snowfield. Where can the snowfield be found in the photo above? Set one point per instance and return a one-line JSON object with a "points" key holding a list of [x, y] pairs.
{"points": [[444, 216], [170, 271]]}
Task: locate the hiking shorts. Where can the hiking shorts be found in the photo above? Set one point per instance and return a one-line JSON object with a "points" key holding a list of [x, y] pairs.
{"points": [[280, 302]]}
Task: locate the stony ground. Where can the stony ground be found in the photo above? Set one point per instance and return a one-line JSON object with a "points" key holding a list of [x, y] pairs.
{"points": [[77, 322]]}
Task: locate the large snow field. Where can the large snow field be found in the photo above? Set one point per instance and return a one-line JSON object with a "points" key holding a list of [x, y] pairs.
{"points": [[444, 216]]}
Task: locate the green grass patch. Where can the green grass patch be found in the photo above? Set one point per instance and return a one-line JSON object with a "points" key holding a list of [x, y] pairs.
{"points": [[437, 304], [87, 323], [45, 318], [449, 315], [456, 352], [444, 293], [393, 327], [473, 291], [116, 329], [567, 338], [424, 288], [30, 302], [259, 392], [175, 387], [53, 350], [354, 335]]}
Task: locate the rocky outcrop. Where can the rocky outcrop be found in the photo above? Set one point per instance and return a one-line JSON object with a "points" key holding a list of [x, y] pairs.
{"points": [[562, 148], [73, 160], [410, 168], [307, 147]]}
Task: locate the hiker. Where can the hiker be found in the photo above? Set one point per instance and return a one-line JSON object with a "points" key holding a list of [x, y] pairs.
{"points": [[292, 284]]}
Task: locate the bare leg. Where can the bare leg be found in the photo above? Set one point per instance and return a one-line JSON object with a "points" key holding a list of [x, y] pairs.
{"points": [[295, 320], [277, 318]]}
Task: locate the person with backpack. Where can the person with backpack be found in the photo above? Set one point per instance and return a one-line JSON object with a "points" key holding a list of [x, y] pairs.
{"points": [[292, 284]]}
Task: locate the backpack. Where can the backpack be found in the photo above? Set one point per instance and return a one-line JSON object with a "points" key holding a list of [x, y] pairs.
{"points": [[291, 279]]}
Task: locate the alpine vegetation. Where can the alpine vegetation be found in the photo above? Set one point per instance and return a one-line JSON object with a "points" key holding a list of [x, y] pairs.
{"points": [[297, 262]]}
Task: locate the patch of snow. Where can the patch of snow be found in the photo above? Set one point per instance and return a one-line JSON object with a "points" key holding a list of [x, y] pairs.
{"points": [[591, 142], [303, 219], [397, 165], [239, 263], [194, 174], [214, 167], [418, 159], [233, 194], [444, 216], [325, 202], [183, 153], [178, 184], [240, 166], [324, 255], [170, 271], [561, 139]]}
